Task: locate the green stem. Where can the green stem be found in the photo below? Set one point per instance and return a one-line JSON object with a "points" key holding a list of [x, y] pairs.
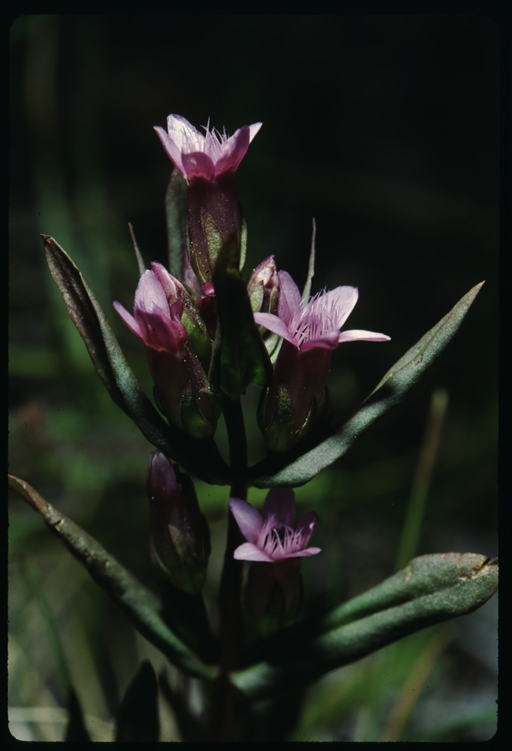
{"points": [[230, 591]]}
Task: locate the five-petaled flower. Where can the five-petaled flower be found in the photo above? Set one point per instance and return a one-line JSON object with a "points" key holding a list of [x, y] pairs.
{"points": [[273, 535], [208, 155]]}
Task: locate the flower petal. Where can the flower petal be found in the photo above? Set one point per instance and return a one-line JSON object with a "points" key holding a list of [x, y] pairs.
{"points": [[301, 553], [128, 319], [150, 296], [334, 306], [356, 335], [290, 299], [172, 149], [197, 164], [166, 280], [247, 517], [183, 133], [280, 503], [274, 324], [249, 552], [236, 149], [325, 341]]}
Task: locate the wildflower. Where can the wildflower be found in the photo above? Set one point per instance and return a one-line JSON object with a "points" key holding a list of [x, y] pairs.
{"points": [[310, 330], [207, 156], [275, 543], [180, 537], [181, 385], [208, 163], [314, 323], [273, 536]]}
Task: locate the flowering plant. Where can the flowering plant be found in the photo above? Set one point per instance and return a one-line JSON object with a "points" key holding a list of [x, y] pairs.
{"points": [[209, 334]]}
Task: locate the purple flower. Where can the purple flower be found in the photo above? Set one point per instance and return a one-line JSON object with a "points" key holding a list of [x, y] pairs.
{"points": [[208, 155], [155, 321], [273, 536], [208, 163], [315, 323], [310, 329], [161, 302]]}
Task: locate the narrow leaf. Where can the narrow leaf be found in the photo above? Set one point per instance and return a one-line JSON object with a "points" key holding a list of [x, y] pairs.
{"points": [[140, 604], [198, 457], [239, 356], [138, 255], [176, 212], [290, 471], [311, 266], [430, 590]]}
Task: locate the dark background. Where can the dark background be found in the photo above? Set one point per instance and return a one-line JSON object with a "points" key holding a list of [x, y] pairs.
{"points": [[385, 129]]}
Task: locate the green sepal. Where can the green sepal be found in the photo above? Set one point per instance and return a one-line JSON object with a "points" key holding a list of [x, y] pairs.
{"points": [[199, 339], [198, 425], [200, 459], [142, 606], [278, 433], [430, 590], [176, 214], [213, 238], [239, 355], [294, 469]]}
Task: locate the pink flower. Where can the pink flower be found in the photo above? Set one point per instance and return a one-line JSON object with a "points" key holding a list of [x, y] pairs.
{"points": [[315, 323], [208, 155], [182, 388], [273, 536], [155, 321], [311, 331]]}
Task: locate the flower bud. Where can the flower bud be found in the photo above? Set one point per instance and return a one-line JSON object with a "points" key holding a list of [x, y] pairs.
{"points": [[180, 538], [263, 287]]}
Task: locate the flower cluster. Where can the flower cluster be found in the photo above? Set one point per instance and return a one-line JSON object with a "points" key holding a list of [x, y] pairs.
{"points": [[187, 340]]}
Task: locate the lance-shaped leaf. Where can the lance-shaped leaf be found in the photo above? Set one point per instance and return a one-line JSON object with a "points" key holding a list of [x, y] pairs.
{"points": [[239, 356], [293, 469], [140, 604], [430, 590], [198, 457], [176, 213]]}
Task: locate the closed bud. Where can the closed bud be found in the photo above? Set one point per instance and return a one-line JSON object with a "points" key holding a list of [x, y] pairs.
{"points": [[180, 538], [263, 287]]}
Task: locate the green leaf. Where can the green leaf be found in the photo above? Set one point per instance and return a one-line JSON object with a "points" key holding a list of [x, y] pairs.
{"points": [[430, 590], [176, 211], [291, 470], [140, 604], [239, 356], [198, 457]]}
